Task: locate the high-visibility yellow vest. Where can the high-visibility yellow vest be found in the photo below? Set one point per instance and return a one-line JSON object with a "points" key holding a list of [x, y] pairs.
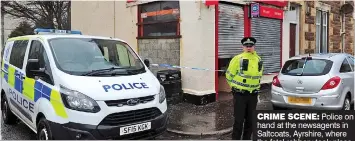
{"points": [[245, 71]]}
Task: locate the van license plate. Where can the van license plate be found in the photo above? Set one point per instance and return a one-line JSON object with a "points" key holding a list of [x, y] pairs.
{"points": [[300, 100], [135, 128]]}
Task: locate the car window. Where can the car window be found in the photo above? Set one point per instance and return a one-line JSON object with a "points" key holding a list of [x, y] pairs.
{"points": [[352, 62], [37, 51], [345, 67], [313, 67], [18, 53]]}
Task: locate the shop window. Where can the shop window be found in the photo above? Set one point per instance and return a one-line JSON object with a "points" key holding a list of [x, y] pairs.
{"points": [[292, 8], [322, 31], [159, 20]]}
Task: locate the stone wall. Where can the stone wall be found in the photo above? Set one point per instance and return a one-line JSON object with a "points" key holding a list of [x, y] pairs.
{"points": [[349, 36], [160, 51], [334, 42]]}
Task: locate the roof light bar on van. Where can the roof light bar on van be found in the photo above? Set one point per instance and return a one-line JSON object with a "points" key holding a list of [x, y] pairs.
{"points": [[55, 31]]}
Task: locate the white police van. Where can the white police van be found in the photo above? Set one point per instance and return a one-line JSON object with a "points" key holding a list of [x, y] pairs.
{"points": [[64, 85]]}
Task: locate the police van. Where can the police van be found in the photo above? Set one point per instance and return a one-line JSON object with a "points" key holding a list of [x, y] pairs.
{"points": [[65, 85]]}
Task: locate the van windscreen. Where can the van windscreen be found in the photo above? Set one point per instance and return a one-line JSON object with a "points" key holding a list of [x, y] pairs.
{"points": [[307, 67], [79, 56]]}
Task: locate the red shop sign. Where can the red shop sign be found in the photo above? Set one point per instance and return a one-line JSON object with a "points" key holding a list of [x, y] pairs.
{"points": [[210, 2], [271, 12], [279, 3]]}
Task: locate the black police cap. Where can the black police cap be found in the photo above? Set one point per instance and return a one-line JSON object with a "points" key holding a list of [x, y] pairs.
{"points": [[248, 41]]}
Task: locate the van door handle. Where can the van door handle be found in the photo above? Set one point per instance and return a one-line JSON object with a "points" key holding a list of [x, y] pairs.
{"points": [[20, 76]]}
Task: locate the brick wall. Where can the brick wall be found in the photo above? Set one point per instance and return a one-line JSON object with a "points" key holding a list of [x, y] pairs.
{"points": [[160, 51], [334, 42]]}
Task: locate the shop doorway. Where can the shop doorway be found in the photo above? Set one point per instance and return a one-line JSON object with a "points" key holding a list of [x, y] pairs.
{"points": [[292, 39], [230, 32]]}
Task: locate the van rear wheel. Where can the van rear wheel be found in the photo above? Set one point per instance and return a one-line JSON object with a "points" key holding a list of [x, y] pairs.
{"points": [[44, 131], [7, 116]]}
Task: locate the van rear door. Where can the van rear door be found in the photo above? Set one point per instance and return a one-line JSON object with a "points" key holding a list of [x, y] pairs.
{"points": [[14, 75]]}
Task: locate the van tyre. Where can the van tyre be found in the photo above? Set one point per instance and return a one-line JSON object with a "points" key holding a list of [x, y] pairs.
{"points": [[7, 116], [44, 131], [347, 104]]}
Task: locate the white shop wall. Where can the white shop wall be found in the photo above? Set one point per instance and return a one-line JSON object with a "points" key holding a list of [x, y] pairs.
{"points": [[289, 17], [197, 47]]}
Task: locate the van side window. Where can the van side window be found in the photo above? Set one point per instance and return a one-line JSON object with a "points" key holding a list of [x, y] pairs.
{"points": [[2, 52], [18, 53], [345, 66], [37, 51]]}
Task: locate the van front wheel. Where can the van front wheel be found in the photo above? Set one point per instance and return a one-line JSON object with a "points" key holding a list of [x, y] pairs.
{"points": [[44, 131]]}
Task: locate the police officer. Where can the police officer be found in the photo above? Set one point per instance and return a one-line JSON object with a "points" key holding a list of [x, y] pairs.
{"points": [[243, 76]]}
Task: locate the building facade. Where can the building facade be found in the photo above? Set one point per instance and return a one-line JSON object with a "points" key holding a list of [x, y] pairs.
{"points": [[207, 34], [326, 28]]}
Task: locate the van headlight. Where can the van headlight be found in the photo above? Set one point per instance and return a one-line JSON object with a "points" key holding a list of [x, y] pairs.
{"points": [[78, 101], [161, 94]]}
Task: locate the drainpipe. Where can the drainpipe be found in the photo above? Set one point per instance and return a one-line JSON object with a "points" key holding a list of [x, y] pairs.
{"points": [[343, 30], [2, 30], [114, 19]]}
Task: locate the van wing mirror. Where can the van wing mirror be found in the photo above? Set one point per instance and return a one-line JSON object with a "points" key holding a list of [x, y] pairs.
{"points": [[147, 63], [33, 68]]}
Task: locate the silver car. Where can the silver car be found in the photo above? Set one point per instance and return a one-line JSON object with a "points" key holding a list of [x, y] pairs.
{"points": [[315, 81]]}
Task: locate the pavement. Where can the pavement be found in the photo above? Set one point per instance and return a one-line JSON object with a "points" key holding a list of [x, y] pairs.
{"points": [[186, 121], [211, 119]]}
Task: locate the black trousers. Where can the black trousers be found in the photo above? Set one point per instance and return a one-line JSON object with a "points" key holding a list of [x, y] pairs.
{"points": [[244, 106]]}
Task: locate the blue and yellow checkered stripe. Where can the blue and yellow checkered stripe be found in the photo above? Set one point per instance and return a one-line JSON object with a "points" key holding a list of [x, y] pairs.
{"points": [[33, 90]]}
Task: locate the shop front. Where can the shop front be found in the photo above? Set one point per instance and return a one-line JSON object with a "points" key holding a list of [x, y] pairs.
{"points": [[266, 27], [260, 19], [230, 28], [185, 33]]}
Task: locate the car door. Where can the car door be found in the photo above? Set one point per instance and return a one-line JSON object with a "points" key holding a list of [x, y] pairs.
{"points": [[352, 64], [14, 69], [347, 75], [33, 87]]}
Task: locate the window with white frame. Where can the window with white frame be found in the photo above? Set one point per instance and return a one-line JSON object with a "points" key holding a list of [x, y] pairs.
{"points": [[321, 32]]}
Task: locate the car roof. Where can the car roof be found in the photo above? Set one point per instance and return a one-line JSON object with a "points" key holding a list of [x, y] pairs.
{"points": [[52, 36], [328, 56]]}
